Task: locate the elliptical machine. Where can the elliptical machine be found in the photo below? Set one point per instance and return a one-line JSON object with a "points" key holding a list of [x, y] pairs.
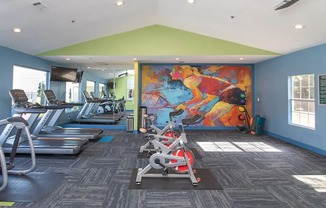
{"points": [[167, 131], [6, 167], [175, 156]]}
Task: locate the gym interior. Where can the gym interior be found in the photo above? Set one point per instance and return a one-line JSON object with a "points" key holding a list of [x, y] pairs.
{"points": [[162, 105]]}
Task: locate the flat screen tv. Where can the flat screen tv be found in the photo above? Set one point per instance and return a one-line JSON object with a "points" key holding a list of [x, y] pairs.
{"points": [[79, 76], [111, 85], [63, 74]]}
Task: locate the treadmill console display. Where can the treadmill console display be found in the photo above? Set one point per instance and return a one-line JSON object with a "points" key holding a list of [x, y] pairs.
{"points": [[49, 94], [18, 96]]}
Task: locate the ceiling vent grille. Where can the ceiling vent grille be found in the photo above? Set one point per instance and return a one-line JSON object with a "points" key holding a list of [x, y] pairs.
{"points": [[41, 6]]}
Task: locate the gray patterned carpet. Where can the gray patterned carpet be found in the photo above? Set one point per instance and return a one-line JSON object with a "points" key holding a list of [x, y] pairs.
{"points": [[255, 171]]}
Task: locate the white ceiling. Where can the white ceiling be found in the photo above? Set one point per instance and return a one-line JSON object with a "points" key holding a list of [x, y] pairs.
{"points": [[255, 23]]}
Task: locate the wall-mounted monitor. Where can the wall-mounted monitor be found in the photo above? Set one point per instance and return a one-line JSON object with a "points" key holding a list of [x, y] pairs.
{"points": [[111, 85], [79, 76], [63, 74]]}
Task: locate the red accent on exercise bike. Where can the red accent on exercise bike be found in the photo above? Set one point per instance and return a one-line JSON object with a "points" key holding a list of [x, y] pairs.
{"points": [[169, 133], [179, 153]]}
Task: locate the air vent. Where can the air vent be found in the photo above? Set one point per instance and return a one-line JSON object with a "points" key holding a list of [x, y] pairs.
{"points": [[41, 6]]}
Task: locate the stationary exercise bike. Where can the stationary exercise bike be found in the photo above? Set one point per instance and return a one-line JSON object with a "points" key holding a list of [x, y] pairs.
{"points": [[167, 131], [175, 156]]}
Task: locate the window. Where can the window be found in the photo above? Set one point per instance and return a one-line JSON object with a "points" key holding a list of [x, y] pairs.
{"points": [[101, 89], [302, 100], [90, 86], [32, 81], [72, 92]]}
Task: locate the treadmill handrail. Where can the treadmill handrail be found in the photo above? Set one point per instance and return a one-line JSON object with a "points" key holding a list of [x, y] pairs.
{"points": [[20, 124]]}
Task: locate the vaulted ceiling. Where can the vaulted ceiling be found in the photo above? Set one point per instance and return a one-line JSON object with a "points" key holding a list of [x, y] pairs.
{"points": [[50, 27]]}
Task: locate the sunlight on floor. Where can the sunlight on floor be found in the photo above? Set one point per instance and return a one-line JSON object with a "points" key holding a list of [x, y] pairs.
{"points": [[236, 147], [318, 182]]}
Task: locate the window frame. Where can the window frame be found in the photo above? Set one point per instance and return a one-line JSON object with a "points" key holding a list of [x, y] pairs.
{"points": [[310, 101], [94, 86], [45, 82]]}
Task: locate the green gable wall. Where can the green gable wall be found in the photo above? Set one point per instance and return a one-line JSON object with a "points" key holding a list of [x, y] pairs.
{"points": [[157, 40]]}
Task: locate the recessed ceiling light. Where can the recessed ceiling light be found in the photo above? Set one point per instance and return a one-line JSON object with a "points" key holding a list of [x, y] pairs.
{"points": [[298, 26], [191, 1], [68, 59], [17, 30], [119, 3]]}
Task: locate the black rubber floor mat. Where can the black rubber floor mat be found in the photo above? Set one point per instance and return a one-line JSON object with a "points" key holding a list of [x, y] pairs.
{"points": [[207, 182], [148, 154], [32, 187]]}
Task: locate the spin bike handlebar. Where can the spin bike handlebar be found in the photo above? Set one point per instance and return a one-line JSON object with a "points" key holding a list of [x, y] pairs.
{"points": [[176, 113], [171, 114], [193, 120]]}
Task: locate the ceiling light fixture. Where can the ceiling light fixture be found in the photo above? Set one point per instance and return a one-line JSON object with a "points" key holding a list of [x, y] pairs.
{"points": [[298, 26], [17, 30], [119, 3], [68, 59], [191, 1], [241, 59], [177, 59]]}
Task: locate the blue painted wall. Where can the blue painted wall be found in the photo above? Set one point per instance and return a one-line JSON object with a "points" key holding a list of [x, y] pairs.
{"points": [[88, 76], [271, 87], [9, 58]]}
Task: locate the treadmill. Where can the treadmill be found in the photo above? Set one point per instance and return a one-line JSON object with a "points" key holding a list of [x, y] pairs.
{"points": [[42, 145], [118, 106], [46, 126], [87, 115]]}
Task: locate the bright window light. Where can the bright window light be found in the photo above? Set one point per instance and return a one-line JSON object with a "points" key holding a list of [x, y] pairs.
{"points": [[256, 147], [236, 147], [318, 182], [246, 146], [302, 100], [209, 147], [227, 147]]}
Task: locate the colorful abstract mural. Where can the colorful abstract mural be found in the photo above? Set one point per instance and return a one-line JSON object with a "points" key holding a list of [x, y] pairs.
{"points": [[213, 91]]}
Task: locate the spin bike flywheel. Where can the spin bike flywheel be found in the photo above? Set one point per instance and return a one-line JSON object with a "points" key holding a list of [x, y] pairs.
{"points": [[180, 153], [172, 134]]}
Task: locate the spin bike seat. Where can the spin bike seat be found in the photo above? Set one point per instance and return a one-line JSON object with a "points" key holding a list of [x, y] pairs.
{"points": [[143, 130]]}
